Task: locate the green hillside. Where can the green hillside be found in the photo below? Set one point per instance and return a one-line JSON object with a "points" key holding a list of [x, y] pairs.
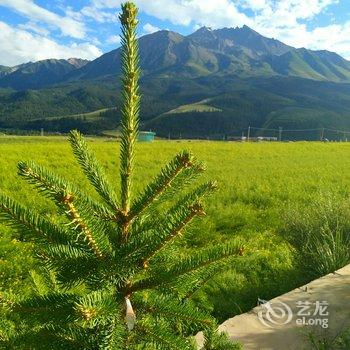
{"points": [[211, 83], [200, 107], [310, 64], [270, 181], [34, 75], [4, 70], [270, 103]]}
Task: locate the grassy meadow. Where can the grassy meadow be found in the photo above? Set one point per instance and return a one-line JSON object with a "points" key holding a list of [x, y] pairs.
{"points": [[266, 189]]}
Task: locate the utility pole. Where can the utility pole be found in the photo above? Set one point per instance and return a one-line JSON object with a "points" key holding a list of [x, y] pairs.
{"points": [[280, 129], [248, 135], [322, 134]]}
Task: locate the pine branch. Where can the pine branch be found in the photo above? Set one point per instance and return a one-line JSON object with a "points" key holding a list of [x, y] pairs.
{"points": [[54, 309], [98, 233], [32, 224], [216, 340], [79, 337], [86, 270], [65, 197], [59, 189], [204, 258], [165, 180], [172, 229], [40, 339], [154, 235], [172, 309], [92, 169], [131, 100], [63, 252], [44, 280], [52, 301], [114, 336], [45, 182], [157, 336], [199, 193], [81, 226], [97, 308], [189, 284], [114, 250], [78, 271]]}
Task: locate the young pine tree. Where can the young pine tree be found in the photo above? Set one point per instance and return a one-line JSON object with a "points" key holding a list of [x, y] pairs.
{"points": [[115, 277]]}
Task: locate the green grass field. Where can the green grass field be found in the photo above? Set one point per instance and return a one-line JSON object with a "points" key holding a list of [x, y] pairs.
{"points": [[261, 184]]}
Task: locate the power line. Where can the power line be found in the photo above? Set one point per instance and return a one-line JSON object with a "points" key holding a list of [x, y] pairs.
{"points": [[323, 134], [300, 130], [291, 130], [340, 131]]}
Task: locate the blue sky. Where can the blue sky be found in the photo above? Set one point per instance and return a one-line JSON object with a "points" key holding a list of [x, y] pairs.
{"points": [[32, 30]]}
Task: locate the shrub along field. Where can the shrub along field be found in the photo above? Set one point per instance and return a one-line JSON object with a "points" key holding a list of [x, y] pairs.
{"points": [[288, 202]]}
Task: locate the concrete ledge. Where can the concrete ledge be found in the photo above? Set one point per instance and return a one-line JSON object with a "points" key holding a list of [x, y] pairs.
{"points": [[321, 308]]}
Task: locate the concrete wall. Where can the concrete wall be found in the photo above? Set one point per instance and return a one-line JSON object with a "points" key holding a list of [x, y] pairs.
{"points": [[320, 308]]}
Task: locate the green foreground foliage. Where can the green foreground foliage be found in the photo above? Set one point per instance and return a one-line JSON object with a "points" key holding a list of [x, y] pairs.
{"points": [[320, 233], [99, 261], [262, 186]]}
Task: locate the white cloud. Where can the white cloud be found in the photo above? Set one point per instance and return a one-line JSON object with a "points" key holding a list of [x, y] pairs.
{"points": [[18, 46], [281, 19], [98, 15], [333, 37], [287, 20], [33, 27], [253, 5], [185, 12], [148, 28], [218, 13], [67, 25], [107, 3], [114, 39], [288, 13]]}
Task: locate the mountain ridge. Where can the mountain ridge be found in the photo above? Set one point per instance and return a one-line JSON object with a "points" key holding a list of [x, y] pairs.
{"points": [[34, 75], [209, 83], [241, 51]]}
